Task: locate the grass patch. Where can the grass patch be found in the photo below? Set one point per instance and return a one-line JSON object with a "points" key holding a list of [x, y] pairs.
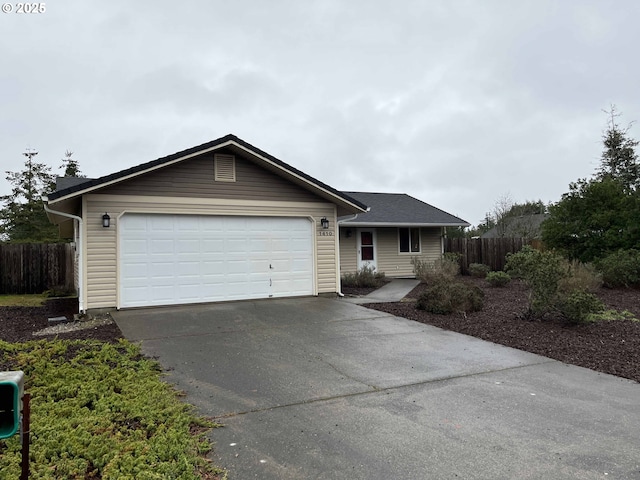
{"points": [[100, 410], [22, 300]]}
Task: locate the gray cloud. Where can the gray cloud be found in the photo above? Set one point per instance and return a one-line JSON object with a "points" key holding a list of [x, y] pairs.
{"points": [[456, 103]]}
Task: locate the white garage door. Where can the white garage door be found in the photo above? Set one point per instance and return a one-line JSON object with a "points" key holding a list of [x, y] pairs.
{"points": [[176, 259]]}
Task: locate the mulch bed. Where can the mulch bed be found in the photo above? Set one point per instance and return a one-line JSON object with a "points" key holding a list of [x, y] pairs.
{"points": [[610, 346], [17, 324]]}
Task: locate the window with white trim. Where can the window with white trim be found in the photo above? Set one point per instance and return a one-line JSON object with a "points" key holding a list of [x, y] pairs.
{"points": [[409, 240]]}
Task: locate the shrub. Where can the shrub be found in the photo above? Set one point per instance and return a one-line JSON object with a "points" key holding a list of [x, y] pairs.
{"points": [[580, 276], [620, 269], [498, 279], [101, 410], [443, 269], [366, 277], [578, 306], [542, 271], [448, 296], [479, 270], [453, 257]]}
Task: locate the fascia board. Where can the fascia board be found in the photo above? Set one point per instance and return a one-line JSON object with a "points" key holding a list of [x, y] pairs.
{"points": [[313, 185], [142, 172], [300, 178], [396, 224]]}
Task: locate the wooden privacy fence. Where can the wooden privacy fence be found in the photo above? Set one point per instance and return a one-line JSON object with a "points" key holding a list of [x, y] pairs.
{"points": [[35, 267], [490, 251]]}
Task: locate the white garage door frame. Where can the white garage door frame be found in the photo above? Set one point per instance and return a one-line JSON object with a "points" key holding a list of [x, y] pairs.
{"points": [[268, 277]]}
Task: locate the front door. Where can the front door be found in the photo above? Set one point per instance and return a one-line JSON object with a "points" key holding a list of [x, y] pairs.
{"points": [[367, 255]]}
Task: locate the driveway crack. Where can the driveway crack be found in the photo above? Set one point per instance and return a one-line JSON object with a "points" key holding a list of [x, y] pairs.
{"points": [[374, 389]]}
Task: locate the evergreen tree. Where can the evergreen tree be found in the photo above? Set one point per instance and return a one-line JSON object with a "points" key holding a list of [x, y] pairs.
{"points": [[619, 159], [70, 165], [602, 214], [23, 219]]}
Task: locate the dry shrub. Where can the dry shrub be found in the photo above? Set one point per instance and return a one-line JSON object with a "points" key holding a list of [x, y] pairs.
{"points": [[365, 277], [449, 296], [580, 276], [443, 269]]}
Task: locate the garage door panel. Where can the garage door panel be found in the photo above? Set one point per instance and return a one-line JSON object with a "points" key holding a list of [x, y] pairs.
{"points": [[173, 259]]}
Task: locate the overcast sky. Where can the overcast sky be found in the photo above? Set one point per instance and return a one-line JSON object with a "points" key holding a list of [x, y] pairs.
{"points": [[454, 102]]}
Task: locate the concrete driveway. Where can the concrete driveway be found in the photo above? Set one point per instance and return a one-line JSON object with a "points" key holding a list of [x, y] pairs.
{"points": [[317, 388]]}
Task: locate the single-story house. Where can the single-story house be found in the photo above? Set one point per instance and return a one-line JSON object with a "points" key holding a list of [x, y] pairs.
{"points": [[221, 221], [396, 229]]}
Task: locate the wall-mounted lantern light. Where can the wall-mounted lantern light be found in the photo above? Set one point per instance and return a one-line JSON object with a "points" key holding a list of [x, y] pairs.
{"points": [[324, 222], [347, 233], [106, 220]]}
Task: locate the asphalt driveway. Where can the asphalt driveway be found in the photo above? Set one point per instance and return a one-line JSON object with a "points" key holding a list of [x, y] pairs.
{"points": [[316, 388]]}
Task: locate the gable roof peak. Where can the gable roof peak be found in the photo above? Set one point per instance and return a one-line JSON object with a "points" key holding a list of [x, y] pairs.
{"points": [[258, 155]]}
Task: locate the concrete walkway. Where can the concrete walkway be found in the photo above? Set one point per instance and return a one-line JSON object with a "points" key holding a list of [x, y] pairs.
{"points": [[394, 291]]}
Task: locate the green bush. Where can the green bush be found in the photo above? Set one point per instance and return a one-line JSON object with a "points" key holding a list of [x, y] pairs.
{"points": [[498, 279], [366, 277], [578, 306], [479, 270], [580, 276], [620, 269], [100, 410], [443, 269], [542, 271], [448, 296]]}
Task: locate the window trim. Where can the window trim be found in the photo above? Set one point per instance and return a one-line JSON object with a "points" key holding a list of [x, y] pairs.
{"points": [[409, 232]]}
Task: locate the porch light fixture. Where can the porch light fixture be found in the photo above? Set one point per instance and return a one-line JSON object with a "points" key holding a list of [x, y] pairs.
{"points": [[324, 222], [106, 220]]}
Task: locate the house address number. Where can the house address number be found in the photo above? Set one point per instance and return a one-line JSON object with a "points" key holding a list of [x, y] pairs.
{"points": [[324, 233]]}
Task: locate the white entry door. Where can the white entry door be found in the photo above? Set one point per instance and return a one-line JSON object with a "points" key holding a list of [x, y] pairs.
{"points": [[177, 259], [367, 254]]}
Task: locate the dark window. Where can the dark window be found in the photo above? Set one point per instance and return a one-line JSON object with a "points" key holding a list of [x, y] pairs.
{"points": [[409, 239]]}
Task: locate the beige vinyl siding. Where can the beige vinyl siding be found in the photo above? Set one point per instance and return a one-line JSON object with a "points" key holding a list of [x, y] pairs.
{"points": [[390, 260], [195, 179], [348, 251], [101, 243]]}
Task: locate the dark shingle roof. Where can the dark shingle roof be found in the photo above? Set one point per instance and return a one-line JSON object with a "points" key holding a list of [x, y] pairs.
{"points": [[523, 226], [399, 209], [63, 183], [91, 184]]}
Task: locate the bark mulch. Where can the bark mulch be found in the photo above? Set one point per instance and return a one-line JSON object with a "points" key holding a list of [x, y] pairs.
{"points": [[17, 324], [608, 346]]}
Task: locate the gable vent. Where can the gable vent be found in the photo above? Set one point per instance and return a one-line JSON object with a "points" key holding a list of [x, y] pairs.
{"points": [[224, 167]]}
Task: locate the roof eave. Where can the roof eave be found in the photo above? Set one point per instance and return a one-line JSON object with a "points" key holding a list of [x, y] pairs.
{"points": [[344, 199], [341, 199], [98, 183], [402, 224]]}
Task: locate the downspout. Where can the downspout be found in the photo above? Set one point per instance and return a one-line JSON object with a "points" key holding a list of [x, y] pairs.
{"points": [[340, 294], [79, 246]]}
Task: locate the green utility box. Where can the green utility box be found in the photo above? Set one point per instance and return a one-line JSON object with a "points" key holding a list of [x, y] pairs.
{"points": [[11, 392]]}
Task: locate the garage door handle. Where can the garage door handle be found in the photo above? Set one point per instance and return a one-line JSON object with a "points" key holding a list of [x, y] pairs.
{"points": [[271, 266]]}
